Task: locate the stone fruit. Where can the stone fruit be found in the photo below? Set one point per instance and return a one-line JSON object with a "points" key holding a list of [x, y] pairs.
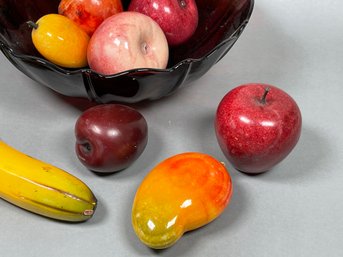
{"points": [[257, 126], [182, 193], [110, 137], [59, 40], [89, 14], [42, 188], [125, 41], [177, 18]]}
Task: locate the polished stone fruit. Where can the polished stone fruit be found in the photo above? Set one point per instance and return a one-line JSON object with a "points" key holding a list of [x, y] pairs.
{"points": [[89, 14], [60, 40], [177, 18], [127, 40], [182, 193], [257, 126], [110, 137]]}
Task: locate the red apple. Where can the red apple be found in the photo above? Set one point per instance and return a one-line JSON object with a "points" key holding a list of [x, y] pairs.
{"points": [[125, 41], [89, 14], [257, 126], [110, 137], [177, 18]]}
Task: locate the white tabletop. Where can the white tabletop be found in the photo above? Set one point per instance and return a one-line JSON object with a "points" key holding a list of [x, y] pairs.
{"points": [[296, 209]]}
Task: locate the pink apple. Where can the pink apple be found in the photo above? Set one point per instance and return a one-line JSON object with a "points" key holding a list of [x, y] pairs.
{"points": [[257, 126], [177, 18], [125, 41]]}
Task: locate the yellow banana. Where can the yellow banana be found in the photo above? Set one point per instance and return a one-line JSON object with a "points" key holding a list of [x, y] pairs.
{"points": [[42, 188]]}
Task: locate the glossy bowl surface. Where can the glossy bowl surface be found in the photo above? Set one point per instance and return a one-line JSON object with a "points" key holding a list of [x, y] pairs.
{"points": [[221, 22]]}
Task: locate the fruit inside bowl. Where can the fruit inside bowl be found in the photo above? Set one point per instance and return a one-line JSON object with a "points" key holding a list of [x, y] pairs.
{"points": [[220, 23]]}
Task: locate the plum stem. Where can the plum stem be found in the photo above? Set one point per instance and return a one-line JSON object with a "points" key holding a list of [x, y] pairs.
{"points": [[32, 24], [266, 91]]}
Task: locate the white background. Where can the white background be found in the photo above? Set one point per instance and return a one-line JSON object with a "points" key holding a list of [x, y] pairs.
{"points": [[296, 209]]}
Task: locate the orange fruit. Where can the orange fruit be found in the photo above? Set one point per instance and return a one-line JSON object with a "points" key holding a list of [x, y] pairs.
{"points": [[60, 40]]}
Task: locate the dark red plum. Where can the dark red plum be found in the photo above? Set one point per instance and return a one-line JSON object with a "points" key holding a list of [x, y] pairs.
{"points": [[110, 137]]}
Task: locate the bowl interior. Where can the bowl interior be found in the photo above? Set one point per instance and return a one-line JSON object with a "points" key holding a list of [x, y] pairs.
{"points": [[220, 24], [217, 19]]}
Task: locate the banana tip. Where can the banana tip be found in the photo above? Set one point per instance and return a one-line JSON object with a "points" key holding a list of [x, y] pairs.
{"points": [[88, 212]]}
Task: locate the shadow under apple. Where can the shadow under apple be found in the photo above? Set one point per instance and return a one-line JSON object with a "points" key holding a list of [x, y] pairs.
{"points": [[303, 163]]}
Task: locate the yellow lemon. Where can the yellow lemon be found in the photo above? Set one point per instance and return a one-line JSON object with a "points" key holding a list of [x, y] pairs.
{"points": [[60, 40]]}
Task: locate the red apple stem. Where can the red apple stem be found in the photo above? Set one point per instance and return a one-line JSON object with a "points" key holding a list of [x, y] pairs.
{"points": [[266, 91], [32, 24], [182, 3]]}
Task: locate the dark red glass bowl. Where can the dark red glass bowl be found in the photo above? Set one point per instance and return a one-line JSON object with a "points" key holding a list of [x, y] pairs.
{"points": [[221, 22]]}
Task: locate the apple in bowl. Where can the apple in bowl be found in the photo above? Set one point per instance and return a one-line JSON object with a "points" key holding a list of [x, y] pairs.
{"points": [[177, 18], [126, 41]]}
